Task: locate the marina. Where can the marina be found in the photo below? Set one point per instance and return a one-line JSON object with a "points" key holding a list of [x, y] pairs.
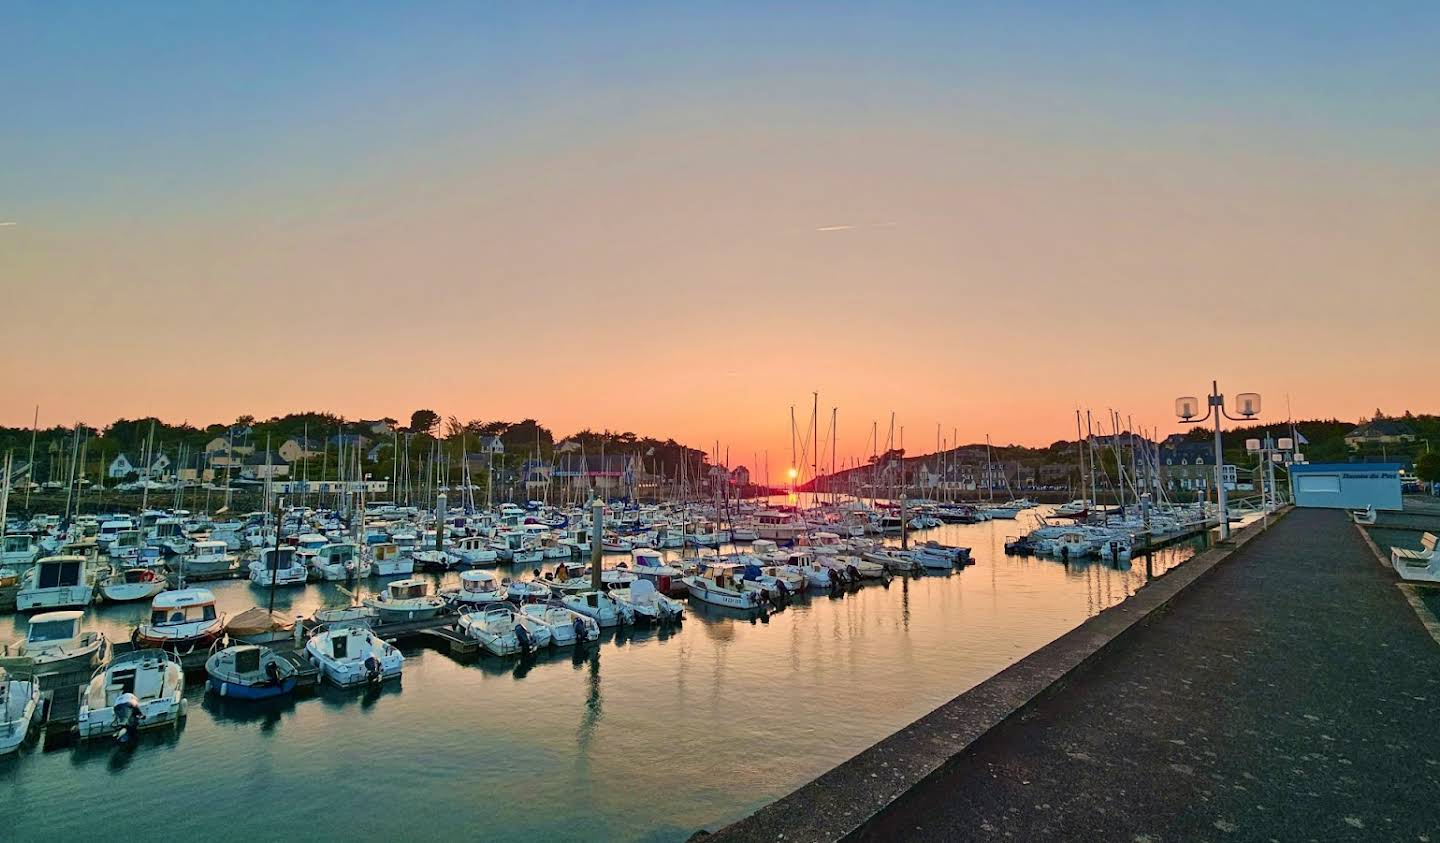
{"points": [[775, 695]]}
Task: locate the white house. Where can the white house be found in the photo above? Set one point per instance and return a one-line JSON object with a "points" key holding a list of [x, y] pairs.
{"points": [[296, 449], [491, 445], [119, 467], [159, 464]]}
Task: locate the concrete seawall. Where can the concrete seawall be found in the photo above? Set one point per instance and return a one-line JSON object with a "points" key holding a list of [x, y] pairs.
{"points": [[842, 800]]}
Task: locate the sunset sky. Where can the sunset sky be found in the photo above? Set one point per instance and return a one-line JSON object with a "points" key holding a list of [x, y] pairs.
{"points": [[681, 218]]}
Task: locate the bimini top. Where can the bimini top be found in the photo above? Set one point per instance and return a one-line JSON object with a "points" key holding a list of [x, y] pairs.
{"points": [[183, 597]]}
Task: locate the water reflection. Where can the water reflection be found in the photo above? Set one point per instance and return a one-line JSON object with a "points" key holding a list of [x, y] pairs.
{"points": [[551, 729]]}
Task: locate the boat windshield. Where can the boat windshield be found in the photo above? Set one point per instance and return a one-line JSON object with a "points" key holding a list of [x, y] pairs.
{"points": [[183, 614], [50, 631]]}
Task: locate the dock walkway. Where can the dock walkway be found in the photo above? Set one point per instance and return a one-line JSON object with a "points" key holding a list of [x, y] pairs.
{"points": [[1289, 695]]}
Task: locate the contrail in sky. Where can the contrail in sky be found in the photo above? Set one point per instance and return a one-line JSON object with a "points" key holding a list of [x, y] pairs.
{"points": [[9, 223], [849, 227]]}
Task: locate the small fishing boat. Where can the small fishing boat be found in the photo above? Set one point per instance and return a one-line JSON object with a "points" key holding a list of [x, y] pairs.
{"points": [[477, 588], [145, 688], [57, 582], [475, 550], [353, 654], [181, 620], [770, 587], [405, 600], [388, 561], [278, 566], [499, 630], [340, 562], [650, 565], [567, 628], [717, 586], [250, 672], [55, 644], [19, 700], [131, 584], [858, 568], [648, 604], [599, 607], [526, 591], [209, 558], [892, 561]]}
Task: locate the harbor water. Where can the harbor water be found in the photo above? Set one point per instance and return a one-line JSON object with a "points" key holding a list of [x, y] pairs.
{"points": [[649, 737]]}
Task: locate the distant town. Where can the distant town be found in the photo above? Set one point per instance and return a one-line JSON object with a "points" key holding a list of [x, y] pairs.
{"points": [[523, 459]]}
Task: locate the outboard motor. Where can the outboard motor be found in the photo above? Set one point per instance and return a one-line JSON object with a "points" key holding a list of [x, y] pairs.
{"points": [[128, 715], [522, 637], [854, 573], [784, 590], [581, 635], [372, 668], [272, 673]]}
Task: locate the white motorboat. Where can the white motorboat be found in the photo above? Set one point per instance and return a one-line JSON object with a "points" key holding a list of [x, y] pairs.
{"points": [[388, 561], [477, 588], [476, 550], [57, 582], [405, 600], [349, 655], [648, 604], [500, 631], [209, 558], [599, 607], [566, 627], [18, 550], [131, 584], [278, 566], [340, 562], [892, 561], [816, 575], [859, 568], [181, 620], [650, 565], [752, 578], [717, 586], [19, 700], [126, 546], [526, 591], [54, 643], [778, 526], [148, 684]]}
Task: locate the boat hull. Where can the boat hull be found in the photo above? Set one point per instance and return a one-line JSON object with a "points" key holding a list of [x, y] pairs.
{"points": [[241, 691]]}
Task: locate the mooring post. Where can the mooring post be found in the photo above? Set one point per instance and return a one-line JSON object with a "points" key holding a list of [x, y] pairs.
{"points": [[597, 533], [440, 511]]}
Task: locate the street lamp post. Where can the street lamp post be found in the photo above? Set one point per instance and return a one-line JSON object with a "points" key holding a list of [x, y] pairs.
{"points": [[1248, 406]]}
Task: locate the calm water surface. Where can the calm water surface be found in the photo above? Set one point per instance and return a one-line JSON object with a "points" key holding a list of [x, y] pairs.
{"points": [[651, 737]]}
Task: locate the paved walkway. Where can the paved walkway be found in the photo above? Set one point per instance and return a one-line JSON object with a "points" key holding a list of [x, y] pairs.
{"points": [[1291, 694]]}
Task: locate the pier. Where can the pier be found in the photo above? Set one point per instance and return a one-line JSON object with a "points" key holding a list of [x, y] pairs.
{"points": [[1282, 688]]}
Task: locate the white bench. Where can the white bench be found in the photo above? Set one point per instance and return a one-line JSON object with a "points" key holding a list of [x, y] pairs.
{"points": [[1417, 564]]}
